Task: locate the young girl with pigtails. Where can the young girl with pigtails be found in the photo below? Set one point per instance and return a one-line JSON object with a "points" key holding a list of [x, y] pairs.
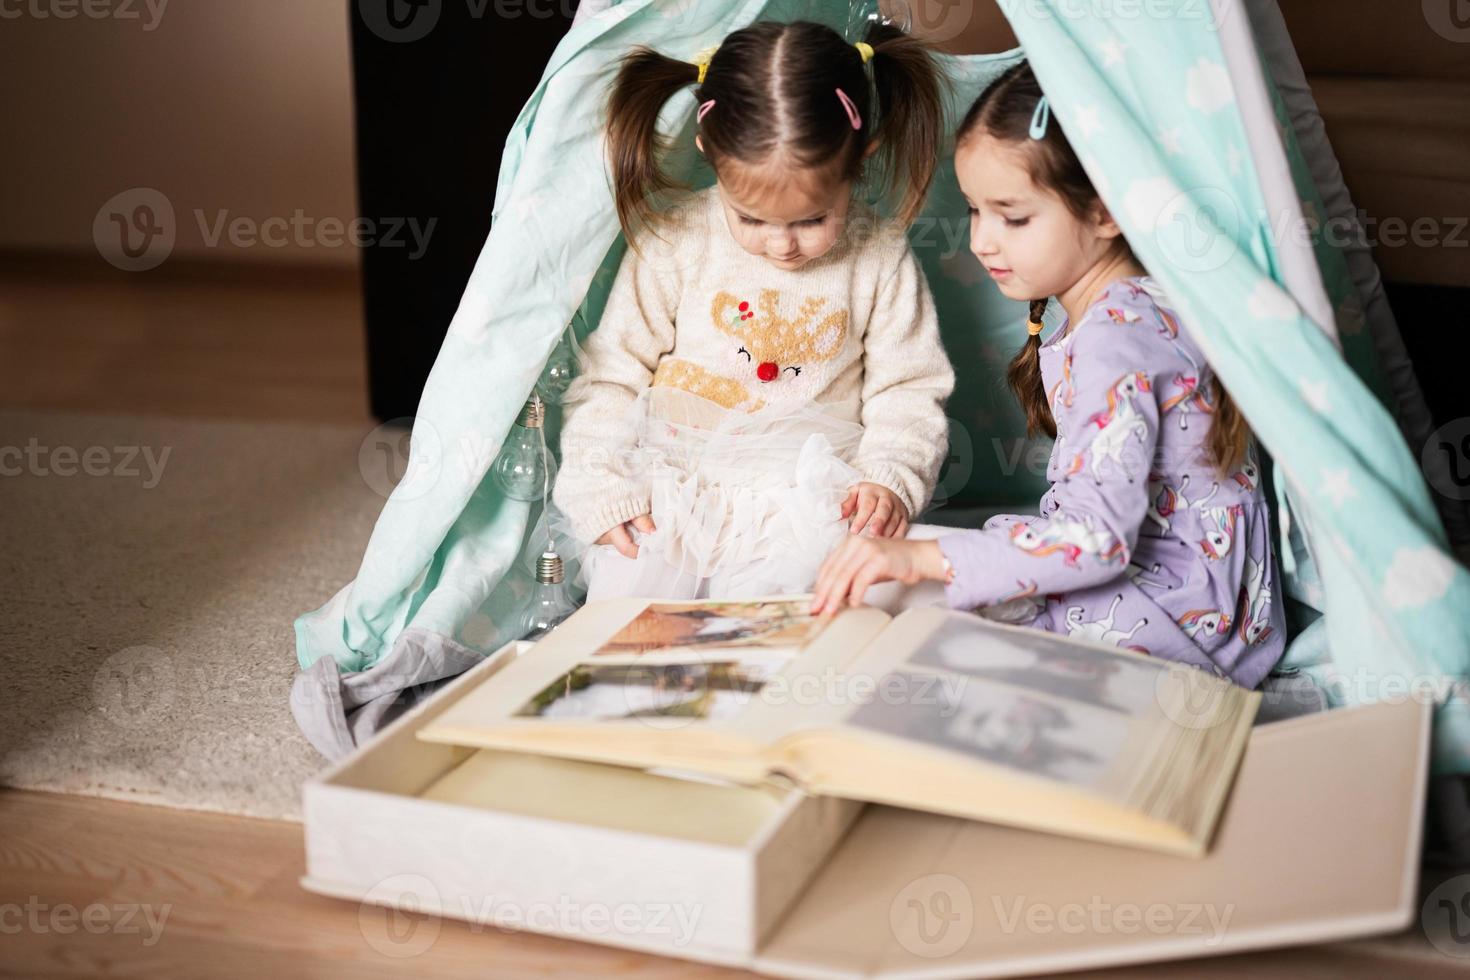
{"points": [[767, 375], [1154, 533]]}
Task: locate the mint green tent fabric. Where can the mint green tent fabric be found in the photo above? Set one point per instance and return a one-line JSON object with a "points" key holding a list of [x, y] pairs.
{"points": [[1157, 106]]}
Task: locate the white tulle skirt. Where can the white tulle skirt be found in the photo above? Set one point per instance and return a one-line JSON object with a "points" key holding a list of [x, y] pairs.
{"points": [[744, 504]]}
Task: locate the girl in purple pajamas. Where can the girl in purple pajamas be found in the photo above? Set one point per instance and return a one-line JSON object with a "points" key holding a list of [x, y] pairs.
{"points": [[1154, 534]]}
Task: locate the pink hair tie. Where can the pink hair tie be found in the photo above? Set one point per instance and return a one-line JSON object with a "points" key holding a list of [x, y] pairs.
{"points": [[704, 109], [852, 113]]}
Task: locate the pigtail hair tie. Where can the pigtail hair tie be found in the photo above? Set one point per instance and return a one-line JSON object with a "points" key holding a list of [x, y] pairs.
{"points": [[702, 60]]}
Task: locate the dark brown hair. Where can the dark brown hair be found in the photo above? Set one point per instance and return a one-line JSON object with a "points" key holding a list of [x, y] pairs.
{"points": [[1004, 111], [774, 87]]}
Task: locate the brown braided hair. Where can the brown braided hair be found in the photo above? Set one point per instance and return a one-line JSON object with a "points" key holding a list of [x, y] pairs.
{"points": [[1003, 111]]}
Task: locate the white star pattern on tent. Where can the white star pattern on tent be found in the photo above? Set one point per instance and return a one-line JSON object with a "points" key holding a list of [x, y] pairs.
{"points": [[1337, 486], [1112, 51], [1169, 140], [1315, 393], [1270, 302], [1089, 121], [1232, 160]]}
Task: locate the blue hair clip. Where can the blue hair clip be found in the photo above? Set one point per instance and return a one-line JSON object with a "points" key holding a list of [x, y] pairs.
{"points": [[1040, 118]]}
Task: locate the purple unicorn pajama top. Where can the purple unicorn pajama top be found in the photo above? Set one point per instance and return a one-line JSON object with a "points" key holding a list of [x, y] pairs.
{"points": [[1141, 542]]}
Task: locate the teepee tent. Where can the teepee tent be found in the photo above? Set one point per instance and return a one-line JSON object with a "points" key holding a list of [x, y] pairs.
{"points": [[1192, 143]]}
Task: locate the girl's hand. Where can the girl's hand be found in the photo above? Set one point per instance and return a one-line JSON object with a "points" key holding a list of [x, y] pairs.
{"points": [[878, 509], [620, 538], [860, 562]]}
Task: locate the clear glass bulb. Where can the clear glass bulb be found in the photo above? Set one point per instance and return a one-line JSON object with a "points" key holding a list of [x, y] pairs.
{"points": [[524, 469], [549, 603], [561, 367]]}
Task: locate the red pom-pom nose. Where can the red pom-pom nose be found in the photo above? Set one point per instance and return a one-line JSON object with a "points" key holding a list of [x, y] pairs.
{"points": [[767, 371]]}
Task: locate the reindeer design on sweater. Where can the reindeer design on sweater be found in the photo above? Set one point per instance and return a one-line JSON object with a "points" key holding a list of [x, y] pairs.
{"points": [[766, 349]]}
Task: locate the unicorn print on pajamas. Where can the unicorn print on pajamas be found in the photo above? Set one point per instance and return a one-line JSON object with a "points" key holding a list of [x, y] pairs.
{"points": [[1166, 500], [1140, 576], [1249, 474], [1100, 630], [1187, 399], [1220, 533], [1118, 425], [1062, 392], [1144, 545], [1206, 621], [1255, 600], [1072, 539], [1154, 534]]}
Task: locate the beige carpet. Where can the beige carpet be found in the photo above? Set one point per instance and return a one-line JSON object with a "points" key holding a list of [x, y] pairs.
{"points": [[145, 630]]}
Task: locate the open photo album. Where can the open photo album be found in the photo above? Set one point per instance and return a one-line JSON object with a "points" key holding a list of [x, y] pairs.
{"points": [[933, 709]]}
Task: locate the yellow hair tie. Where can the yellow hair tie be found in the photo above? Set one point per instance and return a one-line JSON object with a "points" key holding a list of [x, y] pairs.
{"points": [[1033, 328], [702, 60], [865, 49]]}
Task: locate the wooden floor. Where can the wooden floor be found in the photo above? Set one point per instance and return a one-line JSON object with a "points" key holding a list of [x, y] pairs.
{"points": [[102, 888], [92, 887], [197, 340]]}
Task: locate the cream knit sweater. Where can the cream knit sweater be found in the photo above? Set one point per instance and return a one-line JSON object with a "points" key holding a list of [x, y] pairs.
{"points": [[853, 331]]}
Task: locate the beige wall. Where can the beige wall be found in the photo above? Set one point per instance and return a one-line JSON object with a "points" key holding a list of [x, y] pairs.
{"points": [[235, 108]]}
